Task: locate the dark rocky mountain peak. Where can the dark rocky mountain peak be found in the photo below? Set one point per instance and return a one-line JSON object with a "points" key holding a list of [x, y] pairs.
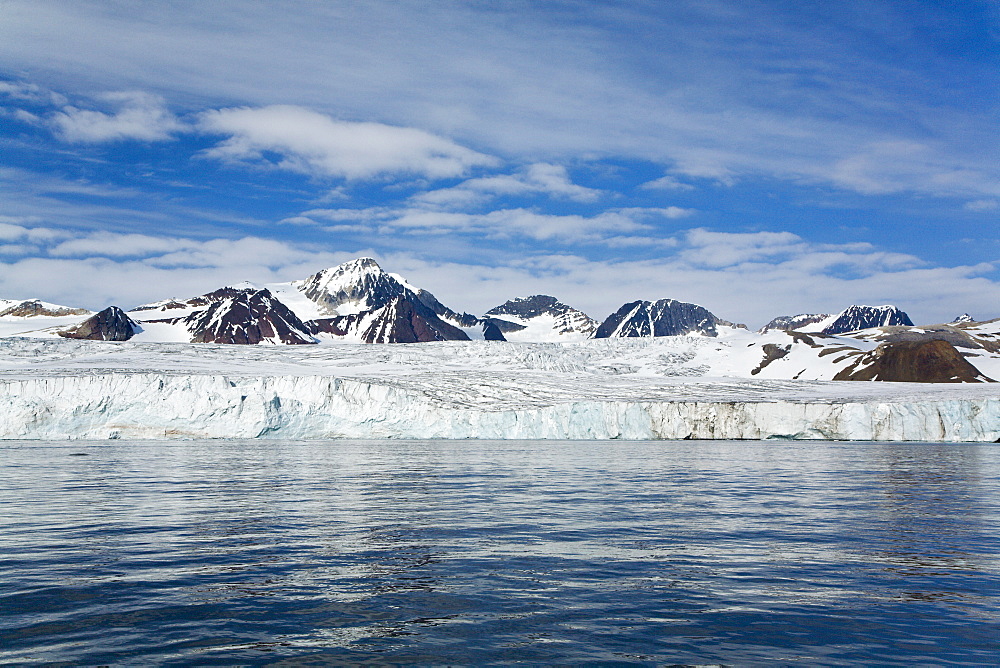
{"points": [[567, 319], [665, 317], [246, 316], [854, 318], [530, 307], [399, 321], [111, 324]]}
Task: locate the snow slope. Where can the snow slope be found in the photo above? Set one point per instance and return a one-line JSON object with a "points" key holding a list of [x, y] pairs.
{"points": [[669, 387]]}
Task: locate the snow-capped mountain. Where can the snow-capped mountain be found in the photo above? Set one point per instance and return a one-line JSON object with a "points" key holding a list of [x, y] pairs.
{"points": [[790, 322], [354, 287], [664, 317], [241, 314], [359, 302], [399, 321], [354, 302], [854, 318], [246, 316], [362, 286], [851, 319], [965, 317], [540, 318]]}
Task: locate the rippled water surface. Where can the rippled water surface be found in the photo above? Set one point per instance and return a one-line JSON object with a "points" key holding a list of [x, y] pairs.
{"points": [[240, 552]]}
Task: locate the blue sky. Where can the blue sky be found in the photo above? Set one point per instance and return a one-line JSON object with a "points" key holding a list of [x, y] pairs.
{"points": [[759, 158]]}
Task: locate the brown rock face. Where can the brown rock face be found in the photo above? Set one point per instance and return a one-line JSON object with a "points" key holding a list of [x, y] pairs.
{"points": [[246, 317], [111, 324], [400, 321], [34, 307], [933, 361], [771, 353]]}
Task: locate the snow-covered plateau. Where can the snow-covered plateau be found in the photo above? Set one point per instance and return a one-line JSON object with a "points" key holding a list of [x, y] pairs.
{"points": [[644, 388]]}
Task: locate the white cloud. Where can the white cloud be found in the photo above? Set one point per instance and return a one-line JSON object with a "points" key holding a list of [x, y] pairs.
{"points": [[30, 92], [22, 116], [897, 165], [671, 212], [666, 183], [13, 228], [701, 88], [315, 144], [705, 248], [502, 223], [109, 244], [982, 205], [538, 178], [140, 116], [98, 269]]}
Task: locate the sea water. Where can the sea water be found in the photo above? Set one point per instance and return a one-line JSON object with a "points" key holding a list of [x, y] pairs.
{"points": [[474, 552]]}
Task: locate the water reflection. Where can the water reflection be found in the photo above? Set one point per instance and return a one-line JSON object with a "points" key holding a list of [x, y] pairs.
{"points": [[480, 552], [929, 526]]}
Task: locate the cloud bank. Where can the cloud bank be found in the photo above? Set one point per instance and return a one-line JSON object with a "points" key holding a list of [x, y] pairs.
{"points": [[312, 143]]}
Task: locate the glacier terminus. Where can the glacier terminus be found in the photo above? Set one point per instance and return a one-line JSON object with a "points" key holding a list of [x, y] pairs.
{"points": [[356, 352]]}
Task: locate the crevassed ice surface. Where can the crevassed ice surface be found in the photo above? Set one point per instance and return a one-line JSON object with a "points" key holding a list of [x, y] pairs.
{"points": [[630, 389]]}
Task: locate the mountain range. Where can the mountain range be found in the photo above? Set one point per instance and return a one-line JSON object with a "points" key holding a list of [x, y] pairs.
{"points": [[359, 302]]}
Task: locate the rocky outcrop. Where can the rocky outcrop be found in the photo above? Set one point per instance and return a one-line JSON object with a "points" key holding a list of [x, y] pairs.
{"points": [[111, 324], [772, 352], [399, 321], [246, 316], [492, 332], [931, 361], [665, 317], [33, 308], [179, 304], [793, 322]]}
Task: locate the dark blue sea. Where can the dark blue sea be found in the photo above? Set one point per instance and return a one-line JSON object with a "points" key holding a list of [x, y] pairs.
{"points": [[474, 552]]}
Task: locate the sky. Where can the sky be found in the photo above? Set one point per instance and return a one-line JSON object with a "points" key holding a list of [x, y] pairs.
{"points": [[757, 157]]}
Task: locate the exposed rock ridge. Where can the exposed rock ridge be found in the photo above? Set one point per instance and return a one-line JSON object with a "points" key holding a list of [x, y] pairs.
{"points": [[32, 308], [567, 320], [246, 316], [665, 317], [855, 318], [399, 321], [111, 324], [792, 322]]}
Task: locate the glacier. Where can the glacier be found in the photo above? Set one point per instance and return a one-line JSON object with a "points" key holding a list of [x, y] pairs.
{"points": [[601, 389]]}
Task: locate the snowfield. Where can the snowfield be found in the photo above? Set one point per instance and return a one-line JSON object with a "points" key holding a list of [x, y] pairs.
{"points": [[643, 388]]}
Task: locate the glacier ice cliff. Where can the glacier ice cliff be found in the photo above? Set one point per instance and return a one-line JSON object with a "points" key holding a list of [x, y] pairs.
{"points": [[178, 406], [654, 388]]}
